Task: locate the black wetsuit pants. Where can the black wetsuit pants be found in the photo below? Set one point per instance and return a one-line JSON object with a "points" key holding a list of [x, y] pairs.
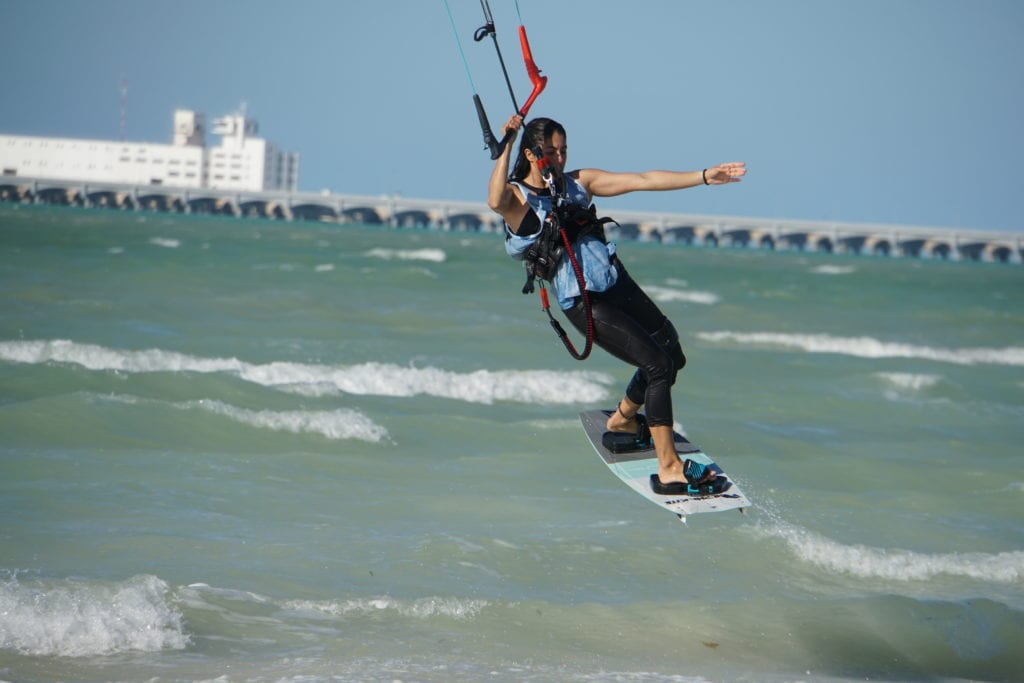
{"points": [[631, 327]]}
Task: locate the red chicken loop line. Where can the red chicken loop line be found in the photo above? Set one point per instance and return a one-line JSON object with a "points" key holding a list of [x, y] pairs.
{"points": [[577, 270]]}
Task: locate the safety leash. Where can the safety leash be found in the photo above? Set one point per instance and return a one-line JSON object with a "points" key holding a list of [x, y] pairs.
{"points": [[559, 200]]}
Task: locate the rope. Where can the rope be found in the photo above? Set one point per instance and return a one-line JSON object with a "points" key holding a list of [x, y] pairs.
{"points": [[458, 42]]}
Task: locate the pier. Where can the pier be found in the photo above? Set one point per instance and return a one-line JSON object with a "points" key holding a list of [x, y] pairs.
{"points": [[405, 212]]}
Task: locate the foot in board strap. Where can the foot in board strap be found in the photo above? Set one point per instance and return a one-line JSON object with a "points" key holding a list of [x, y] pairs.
{"points": [[625, 442], [701, 480]]}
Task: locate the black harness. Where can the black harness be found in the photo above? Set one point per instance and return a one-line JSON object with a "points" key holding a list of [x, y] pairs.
{"points": [[564, 226], [542, 258]]}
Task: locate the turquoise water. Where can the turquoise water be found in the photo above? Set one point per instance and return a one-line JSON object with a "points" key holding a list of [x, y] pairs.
{"points": [[255, 451]]}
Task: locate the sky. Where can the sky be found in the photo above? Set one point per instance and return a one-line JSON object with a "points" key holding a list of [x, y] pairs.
{"points": [[855, 111]]}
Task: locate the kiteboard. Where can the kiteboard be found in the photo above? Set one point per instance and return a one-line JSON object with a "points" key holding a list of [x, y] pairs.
{"points": [[635, 468]]}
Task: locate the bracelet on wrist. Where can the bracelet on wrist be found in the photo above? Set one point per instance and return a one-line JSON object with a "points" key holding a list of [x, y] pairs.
{"points": [[704, 175]]}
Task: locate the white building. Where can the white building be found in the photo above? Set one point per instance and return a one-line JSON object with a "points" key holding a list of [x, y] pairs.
{"points": [[241, 162]]}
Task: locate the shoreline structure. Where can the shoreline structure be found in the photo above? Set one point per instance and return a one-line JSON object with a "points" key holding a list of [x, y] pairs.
{"points": [[249, 177]]}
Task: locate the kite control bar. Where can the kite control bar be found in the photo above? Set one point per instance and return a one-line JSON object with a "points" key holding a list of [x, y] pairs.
{"points": [[539, 82]]}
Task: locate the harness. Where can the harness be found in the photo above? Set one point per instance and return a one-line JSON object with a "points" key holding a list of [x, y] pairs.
{"points": [[564, 226], [542, 258]]}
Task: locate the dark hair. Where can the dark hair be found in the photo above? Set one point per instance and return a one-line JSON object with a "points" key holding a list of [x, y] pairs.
{"points": [[535, 133]]}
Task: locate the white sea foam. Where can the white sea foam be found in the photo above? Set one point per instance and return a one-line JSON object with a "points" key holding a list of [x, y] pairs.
{"points": [[333, 424], [196, 596], [339, 424], [423, 608], [434, 255], [324, 268], [77, 618], [669, 295], [376, 379], [481, 386], [868, 347], [165, 242], [908, 381], [895, 564], [551, 424], [833, 270]]}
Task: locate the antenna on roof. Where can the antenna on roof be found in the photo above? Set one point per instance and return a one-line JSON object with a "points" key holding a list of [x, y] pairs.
{"points": [[124, 105]]}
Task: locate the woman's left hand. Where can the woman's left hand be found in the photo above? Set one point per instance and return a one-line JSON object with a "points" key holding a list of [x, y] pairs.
{"points": [[731, 172]]}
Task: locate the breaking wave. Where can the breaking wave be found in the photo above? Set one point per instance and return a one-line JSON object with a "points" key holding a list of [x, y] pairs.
{"points": [[670, 294], [833, 270], [895, 565], [165, 242], [373, 379], [333, 424], [202, 595], [868, 347], [433, 255], [78, 618], [908, 381], [423, 608]]}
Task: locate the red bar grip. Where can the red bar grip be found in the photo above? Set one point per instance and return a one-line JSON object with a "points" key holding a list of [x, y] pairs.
{"points": [[544, 299], [539, 82]]}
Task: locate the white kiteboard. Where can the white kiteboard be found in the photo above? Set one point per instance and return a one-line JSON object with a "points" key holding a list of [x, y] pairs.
{"points": [[636, 467]]}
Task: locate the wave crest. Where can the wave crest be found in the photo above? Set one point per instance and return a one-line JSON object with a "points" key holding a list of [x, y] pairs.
{"points": [[423, 608], [896, 565], [374, 379], [432, 255], [671, 294], [868, 347], [75, 618]]}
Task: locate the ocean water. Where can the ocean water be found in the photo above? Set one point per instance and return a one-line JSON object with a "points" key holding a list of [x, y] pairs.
{"points": [[256, 451]]}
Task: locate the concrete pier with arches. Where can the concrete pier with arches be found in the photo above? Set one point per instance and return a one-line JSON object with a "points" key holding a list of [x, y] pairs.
{"points": [[409, 213]]}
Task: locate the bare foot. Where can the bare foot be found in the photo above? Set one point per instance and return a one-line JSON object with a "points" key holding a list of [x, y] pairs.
{"points": [[672, 474], [676, 473], [618, 423]]}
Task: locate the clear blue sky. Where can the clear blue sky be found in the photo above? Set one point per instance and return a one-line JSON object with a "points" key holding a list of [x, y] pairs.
{"points": [[881, 111]]}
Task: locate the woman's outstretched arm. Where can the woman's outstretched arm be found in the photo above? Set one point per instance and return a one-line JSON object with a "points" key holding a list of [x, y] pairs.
{"points": [[602, 183]]}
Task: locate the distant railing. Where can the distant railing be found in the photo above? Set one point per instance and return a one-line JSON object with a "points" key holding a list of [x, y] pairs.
{"points": [[405, 212]]}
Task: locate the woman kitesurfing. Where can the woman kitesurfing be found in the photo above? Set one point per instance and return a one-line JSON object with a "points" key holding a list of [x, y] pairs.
{"points": [[551, 225], [622, 318]]}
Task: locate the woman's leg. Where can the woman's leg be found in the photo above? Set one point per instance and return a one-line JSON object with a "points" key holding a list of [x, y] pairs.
{"points": [[628, 325]]}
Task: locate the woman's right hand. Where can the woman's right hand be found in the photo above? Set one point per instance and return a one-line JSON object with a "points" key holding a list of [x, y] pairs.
{"points": [[514, 123]]}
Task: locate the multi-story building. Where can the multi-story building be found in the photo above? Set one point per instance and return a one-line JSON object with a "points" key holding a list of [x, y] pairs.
{"points": [[242, 161]]}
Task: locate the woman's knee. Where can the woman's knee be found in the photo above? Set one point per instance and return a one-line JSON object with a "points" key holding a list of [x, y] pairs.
{"points": [[667, 338]]}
